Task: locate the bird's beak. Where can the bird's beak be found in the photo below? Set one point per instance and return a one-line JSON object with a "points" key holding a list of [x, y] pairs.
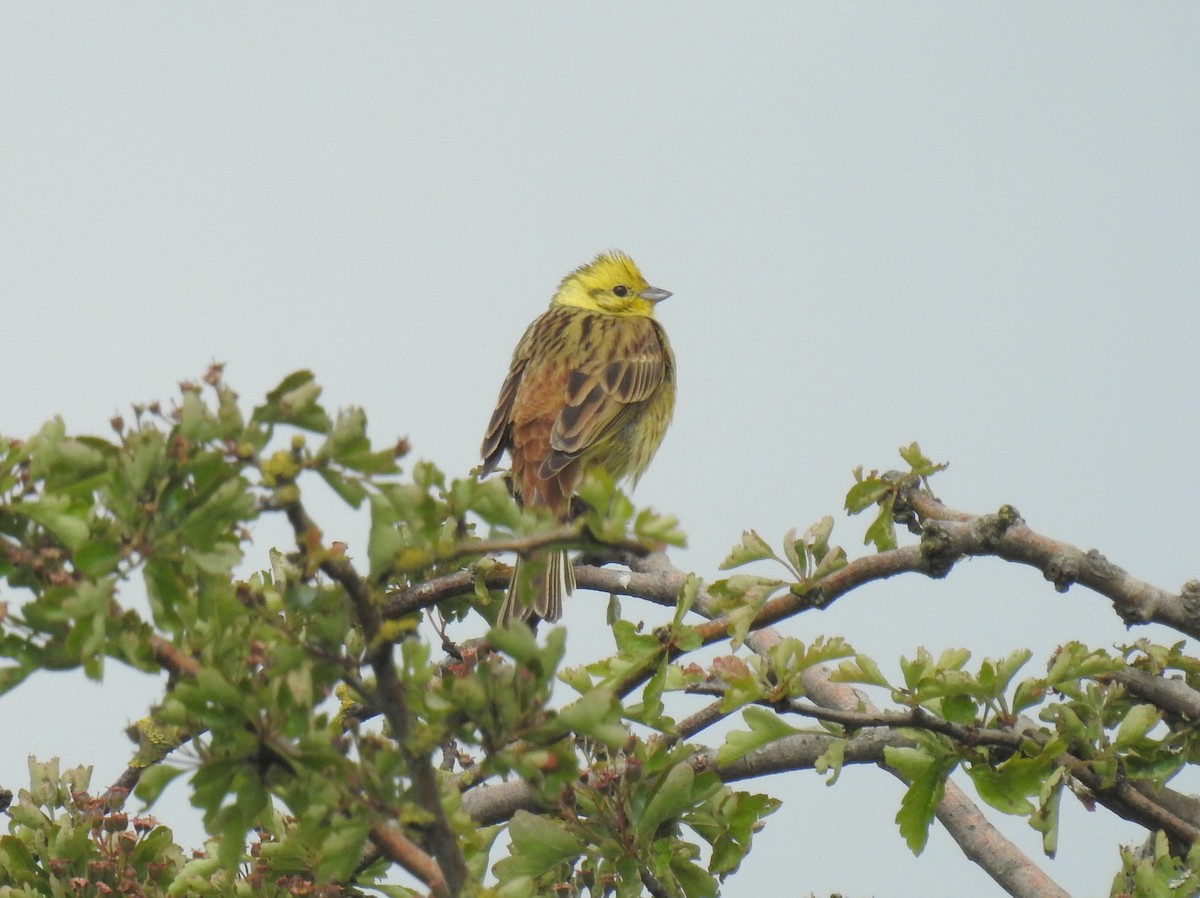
{"points": [[654, 294]]}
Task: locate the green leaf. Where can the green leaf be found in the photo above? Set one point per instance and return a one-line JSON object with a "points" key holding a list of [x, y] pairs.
{"points": [[790, 656], [834, 560], [213, 698], [1008, 668], [727, 821], [1045, 818], [671, 796], [765, 728], [649, 711], [693, 881], [921, 466], [154, 780], [219, 562], [656, 528], [796, 553], [926, 775], [1138, 720], [166, 588], [831, 760], [916, 670], [294, 402], [752, 548], [953, 658], [18, 861], [341, 850], [348, 436], [1074, 661], [292, 382], [145, 456], [740, 597], [385, 540], [196, 423], [55, 512], [12, 676], [635, 651], [1028, 693], [959, 709], [609, 510], [912, 454], [1007, 786], [350, 490], [51, 452], [861, 670], [816, 537], [517, 642], [97, 558], [511, 885], [596, 714], [866, 493], [577, 678], [538, 846], [687, 597], [882, 532], [495, 505], [88, 606]]}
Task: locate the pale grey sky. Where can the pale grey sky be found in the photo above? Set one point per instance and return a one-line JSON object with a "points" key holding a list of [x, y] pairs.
{"points": [[974, 225]]}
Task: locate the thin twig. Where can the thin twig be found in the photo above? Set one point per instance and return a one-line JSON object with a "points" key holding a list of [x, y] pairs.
{"points": [[701, 720]]}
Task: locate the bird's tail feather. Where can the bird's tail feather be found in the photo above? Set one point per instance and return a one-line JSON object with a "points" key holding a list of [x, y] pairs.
{"points": [[557, 582]]}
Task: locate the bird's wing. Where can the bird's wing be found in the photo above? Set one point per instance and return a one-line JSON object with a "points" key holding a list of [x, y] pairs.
{"points": [[599, 395], [496, 439]]}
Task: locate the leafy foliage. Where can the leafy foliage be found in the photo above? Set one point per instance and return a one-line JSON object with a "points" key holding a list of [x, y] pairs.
{"points": [[335, 737]]}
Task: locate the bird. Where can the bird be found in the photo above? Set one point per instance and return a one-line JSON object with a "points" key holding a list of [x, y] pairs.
{"points": [[591, 385]]}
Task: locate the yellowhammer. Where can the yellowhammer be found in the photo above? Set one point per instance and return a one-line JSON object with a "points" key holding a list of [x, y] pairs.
{"points": [[591, 384]]}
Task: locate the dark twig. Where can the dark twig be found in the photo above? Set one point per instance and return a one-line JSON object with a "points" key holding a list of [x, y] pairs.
{"points": [[701, 720], [389, 696], [653, 887], [1121, 797]]}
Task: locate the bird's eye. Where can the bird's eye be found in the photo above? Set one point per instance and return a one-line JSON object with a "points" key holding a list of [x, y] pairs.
{"points": [[621, 290]]}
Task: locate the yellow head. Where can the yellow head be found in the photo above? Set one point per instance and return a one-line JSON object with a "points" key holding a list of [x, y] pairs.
{"points": [[609, 283]]}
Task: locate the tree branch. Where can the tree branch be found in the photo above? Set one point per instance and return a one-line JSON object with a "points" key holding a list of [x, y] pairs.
{"points": [[975, 835], [404, 852], [979, 840], [1175, 696], [701, 720], [393, 703], [1122, 797], [948, 535], [171, 659], [656, 579]]}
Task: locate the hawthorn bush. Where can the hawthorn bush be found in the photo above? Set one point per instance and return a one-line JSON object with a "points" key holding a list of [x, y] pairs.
{"points": [[344, 735]]}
